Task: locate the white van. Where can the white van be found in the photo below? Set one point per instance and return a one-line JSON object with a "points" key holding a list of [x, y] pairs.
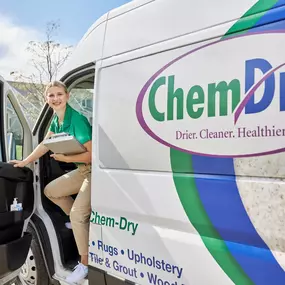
{"points": [[186, 101]]}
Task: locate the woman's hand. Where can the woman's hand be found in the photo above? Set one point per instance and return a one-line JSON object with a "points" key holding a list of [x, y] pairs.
{"points": [[19, 163], [59, 157]]}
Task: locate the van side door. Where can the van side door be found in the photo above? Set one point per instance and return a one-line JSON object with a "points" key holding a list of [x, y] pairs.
{"points": [[16, 185]]}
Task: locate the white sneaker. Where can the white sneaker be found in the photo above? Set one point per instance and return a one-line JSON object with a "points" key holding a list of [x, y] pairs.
{"points": [[68, 225], [79, 273]]}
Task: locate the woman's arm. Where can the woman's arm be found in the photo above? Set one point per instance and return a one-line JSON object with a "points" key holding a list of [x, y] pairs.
{"points": [[85, 157], [38, 152]]}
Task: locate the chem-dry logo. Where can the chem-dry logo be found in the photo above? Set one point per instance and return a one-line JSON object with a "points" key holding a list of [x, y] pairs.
{"points": [[225, 98]]}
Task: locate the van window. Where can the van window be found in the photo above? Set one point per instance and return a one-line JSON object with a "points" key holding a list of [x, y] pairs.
{"points": [[15, 133], [81, 97]]}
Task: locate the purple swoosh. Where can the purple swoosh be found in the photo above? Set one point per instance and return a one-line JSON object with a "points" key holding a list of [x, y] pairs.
{"points": [[143, 91], [252, 90]]}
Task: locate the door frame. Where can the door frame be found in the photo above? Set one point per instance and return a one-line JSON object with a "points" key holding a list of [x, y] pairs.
{"points": [[3, 153]]}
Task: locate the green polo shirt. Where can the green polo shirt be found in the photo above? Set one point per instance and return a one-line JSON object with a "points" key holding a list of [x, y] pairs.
{"points": [[74, 124]]}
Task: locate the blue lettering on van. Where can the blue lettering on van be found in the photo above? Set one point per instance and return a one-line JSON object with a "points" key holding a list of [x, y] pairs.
{"points": [[156, 280], [154, 262], [269, 85]]}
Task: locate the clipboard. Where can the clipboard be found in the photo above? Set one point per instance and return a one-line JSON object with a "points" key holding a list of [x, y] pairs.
{"points": [[64, 143]]}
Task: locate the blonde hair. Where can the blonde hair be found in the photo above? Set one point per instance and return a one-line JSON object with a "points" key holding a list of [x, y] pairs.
{"points": [[56, 84]]}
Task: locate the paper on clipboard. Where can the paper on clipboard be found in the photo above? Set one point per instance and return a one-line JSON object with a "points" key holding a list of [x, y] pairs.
{"points": [[64, 143]]}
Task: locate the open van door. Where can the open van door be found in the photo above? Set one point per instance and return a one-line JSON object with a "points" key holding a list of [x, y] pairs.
{"points": [[16, 185]]}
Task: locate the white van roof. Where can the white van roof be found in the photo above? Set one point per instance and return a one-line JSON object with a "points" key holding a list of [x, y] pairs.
{"points": [[141, 23], [90, 47]]}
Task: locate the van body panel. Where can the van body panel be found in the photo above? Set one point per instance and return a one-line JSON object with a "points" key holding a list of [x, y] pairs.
{"points": [[88, 50], [188, 18], [174, 206]]}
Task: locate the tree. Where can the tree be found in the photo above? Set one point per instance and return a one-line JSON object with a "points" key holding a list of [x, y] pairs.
{"points": [[47, 57]]}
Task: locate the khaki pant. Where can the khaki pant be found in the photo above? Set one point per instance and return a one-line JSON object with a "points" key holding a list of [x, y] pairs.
{"points": [[59, 190]]}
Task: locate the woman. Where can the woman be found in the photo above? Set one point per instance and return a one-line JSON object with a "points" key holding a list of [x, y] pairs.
{"points": [[76, 182]]}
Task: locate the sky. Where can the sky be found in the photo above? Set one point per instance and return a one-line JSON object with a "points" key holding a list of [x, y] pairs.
{"points": [[22, 21]]}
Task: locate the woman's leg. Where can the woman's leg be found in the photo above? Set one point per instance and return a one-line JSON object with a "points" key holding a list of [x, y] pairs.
{"points": [[80, 215], [60, 189], [76, 182]]}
